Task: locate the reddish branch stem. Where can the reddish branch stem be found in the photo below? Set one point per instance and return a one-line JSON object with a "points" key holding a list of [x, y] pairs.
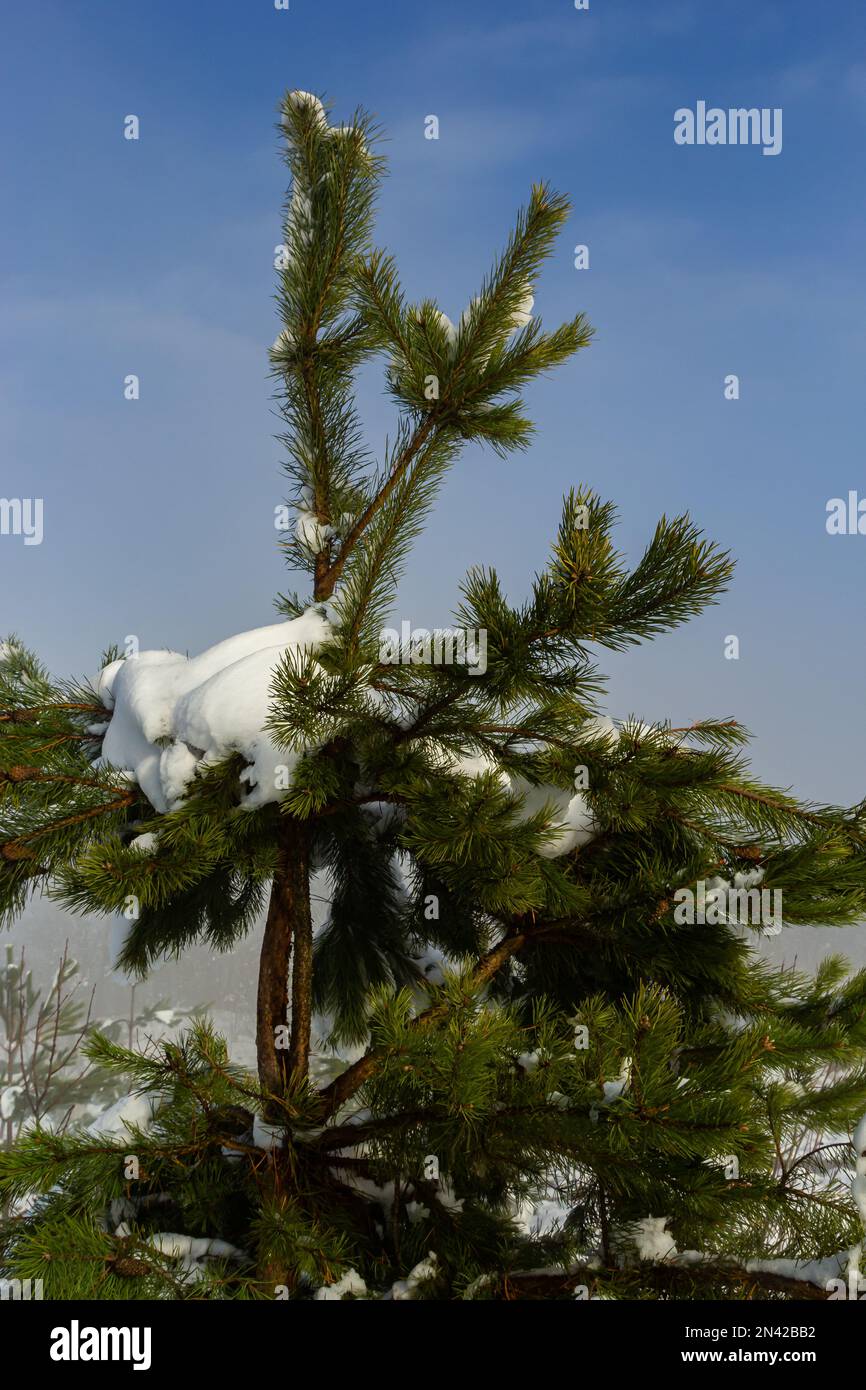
{"points": [[348, 1082]]}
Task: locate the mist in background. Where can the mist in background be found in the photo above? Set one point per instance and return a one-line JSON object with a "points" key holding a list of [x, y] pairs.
{"points": [[155, 257]]}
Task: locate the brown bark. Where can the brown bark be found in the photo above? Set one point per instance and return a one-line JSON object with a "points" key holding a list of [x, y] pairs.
{"points": [[302, 983], [288, 922]]}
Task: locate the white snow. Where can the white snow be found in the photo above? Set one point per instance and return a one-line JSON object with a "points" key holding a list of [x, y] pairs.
{"points": [[818, 1272], [129, 1112], [523, 313], [9, 1101], [267, 1136], [520, 318], [717, 889], [470, 764], [298, 100], [310, 532], [449, 328], [384, 1195], [750, 879], [573, 822], [651, 1240], [351, 1285], [408, 1288], [447, 1198], [193, 1252], [614, 1089], [299, 216], [146, 844], [539, 1215], [172, 715], [599, 727], [208, 706]]}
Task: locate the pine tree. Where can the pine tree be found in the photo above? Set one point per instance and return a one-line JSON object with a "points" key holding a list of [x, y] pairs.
{"points": [[542, 939]]}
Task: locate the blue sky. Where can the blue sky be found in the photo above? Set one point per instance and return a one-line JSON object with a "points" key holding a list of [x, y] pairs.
{"points": [[155, 257]]}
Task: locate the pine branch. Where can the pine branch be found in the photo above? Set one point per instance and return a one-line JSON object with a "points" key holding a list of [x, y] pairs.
{"points": [[423, 431], [344, 1086], [666, 1280]]}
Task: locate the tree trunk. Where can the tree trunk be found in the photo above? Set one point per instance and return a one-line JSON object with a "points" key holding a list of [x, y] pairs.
{"points": [[288, 922], [302, 992]]}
